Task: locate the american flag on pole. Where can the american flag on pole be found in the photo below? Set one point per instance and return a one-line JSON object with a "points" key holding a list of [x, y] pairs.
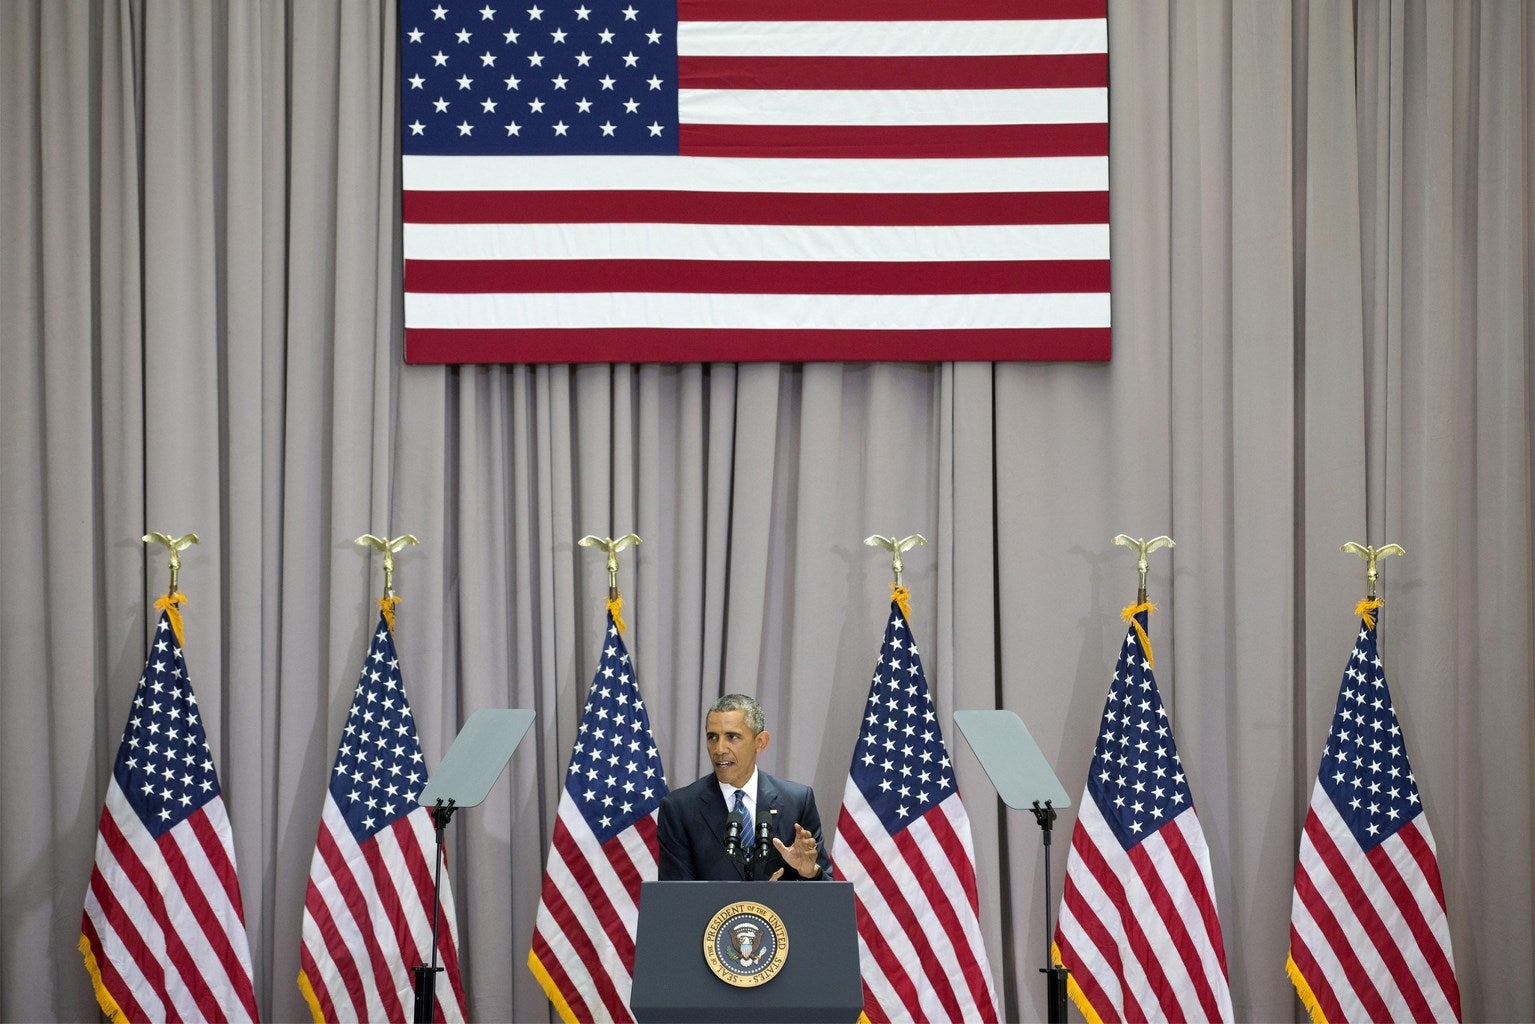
{"points": [[163, 932], [368, 906], [903, 840], [604, 847], [696, 180], [1369, 938], [1137, 927]]}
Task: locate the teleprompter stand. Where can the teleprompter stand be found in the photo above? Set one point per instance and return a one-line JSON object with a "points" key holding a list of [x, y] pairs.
{"points": [[1023, 779], [473, 764]]}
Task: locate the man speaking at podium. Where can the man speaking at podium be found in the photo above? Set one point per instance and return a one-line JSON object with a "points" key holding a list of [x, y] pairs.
{"points": [[737, 823]]}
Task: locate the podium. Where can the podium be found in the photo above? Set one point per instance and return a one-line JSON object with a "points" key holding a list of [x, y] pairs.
{"points": [[688, 930]]}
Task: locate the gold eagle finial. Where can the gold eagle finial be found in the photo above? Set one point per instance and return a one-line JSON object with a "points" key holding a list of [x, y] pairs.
{"points": [[1142, 548], [1371, 556], [612, 547], [895, 547], [388, 545], [175, 545]]}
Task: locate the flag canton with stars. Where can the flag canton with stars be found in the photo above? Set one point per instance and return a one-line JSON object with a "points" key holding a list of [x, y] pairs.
{"points": [[164, 765], [900, 764], [615, 776], [379, 771], [1364, 767], [1136, 777], [538, 77]]}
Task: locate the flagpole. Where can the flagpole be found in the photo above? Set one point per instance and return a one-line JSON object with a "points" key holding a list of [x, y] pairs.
{"points": [[425, 974]]}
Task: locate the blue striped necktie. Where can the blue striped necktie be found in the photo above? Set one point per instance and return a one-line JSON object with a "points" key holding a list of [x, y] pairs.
{"points": [[748, 834]]}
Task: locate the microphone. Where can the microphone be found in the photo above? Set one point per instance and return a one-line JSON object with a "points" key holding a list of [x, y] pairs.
{"points": [[764, 835], [733, 826]]}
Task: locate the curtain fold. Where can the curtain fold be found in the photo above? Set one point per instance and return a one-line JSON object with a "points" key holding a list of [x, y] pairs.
{"points": [[1322, 294]]}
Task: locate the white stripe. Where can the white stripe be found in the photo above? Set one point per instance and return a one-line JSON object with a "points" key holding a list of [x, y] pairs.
{"points": [[890, 38], [893, 107], [113, 949], [731, 174], [148, 854], [226, 986], [763, 312], [950, 952], [1358, 938], [589, 933], [730, 242], [357, 962], [1138, 905], [418, 914]]}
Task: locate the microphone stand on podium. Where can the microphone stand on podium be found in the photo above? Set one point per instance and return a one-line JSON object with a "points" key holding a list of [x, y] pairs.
{"points": [[472, 765], [1023, 779]]}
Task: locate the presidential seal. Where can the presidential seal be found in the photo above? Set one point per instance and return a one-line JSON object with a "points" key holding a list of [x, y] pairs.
{"points": [[746, 944]]}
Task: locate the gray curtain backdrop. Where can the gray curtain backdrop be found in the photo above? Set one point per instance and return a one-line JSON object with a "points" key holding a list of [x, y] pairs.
{"points": [[1322, 301]]}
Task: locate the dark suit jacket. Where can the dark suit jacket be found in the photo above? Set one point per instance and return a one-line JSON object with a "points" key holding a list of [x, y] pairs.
{"points": [[692, 831]]}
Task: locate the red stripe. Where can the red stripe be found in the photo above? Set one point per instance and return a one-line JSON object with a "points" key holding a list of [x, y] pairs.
{"points": [[311, 972], [216, 940], [1096, 931], [583, 944], [133, 946], [873, 142], [645, 829], [221, 860], [701, 345], [879, 10], [758, 277], [388, 907], [654, 206], [1193, 877], [891, 964], [1140, 947], [906, 918], [1381, 937], [562, 983], [1092, 992], [1010, 71], [1163, 902], [346, 884], [1422, 933], [937, 886], [1338, 943], [1315, 978], [419, 865], [1417, 844], [188, 975], [573, 856], [337, 954]]}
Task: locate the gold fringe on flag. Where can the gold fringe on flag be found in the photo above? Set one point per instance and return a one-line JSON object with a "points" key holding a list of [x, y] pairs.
{"points": [[1364, 609], [386, 605], [109, 1007], [616, 609], [1303, 989], [1129, 615], [167, 604], [902, 598]]}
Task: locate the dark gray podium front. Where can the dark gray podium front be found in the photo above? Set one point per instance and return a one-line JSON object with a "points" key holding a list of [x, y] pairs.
{"points": [[818, 981]]}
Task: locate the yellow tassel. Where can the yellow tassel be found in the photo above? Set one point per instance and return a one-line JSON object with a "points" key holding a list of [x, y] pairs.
{"points": [[167, 604], [1303, 989], [1089, 1012], [315, 1011], [1129, 615], [551, 988], [386, 605], [902, 598], [103, 998], [616, 609], [1364, 608]]}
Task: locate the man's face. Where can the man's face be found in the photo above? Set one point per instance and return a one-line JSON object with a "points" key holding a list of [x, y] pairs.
{"points": [[733, 747]]}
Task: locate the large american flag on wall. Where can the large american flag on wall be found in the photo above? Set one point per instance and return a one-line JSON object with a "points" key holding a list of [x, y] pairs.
{"points": [[368, 906], [903, 840], [604, 846], [1138, 927], [1369, 936], [688, 180], [163, 931]]}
